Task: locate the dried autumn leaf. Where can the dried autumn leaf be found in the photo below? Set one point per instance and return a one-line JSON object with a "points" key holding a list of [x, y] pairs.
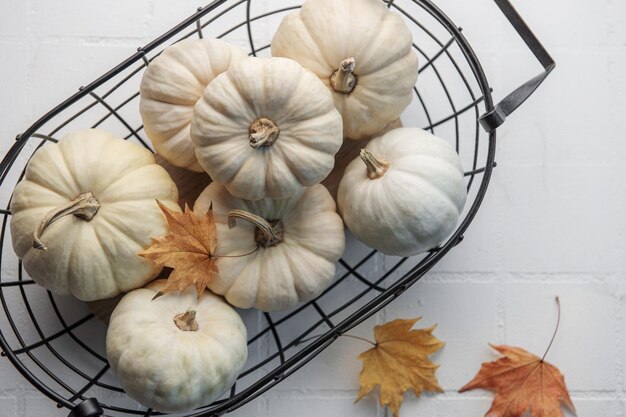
{"points": [[188, 249], [522, 382], [399, 362]]}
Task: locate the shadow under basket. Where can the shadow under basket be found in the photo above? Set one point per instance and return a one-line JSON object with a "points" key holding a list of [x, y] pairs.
{"points": [[57, 343]]}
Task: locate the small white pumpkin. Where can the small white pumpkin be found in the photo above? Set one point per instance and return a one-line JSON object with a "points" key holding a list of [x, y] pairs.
{"points": [[300, 239], [90, 200], [361, 51], [405, 193], [266, 128], [178, 352], [170, 88]]}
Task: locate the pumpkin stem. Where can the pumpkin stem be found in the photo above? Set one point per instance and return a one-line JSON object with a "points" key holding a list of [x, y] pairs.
{"points": [[343, 80], [85, 207], [186, 321], [376, 168], [263, 132], [268, 232]]}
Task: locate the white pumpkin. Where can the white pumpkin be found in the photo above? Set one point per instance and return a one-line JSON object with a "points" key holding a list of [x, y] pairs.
{"points": [[178, 352], [361, 51], [405, 193], [266, 128], [90, 201], [299, 239], [171, 85]]}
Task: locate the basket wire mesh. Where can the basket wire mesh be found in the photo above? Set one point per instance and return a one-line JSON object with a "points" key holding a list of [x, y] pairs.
{"points": [[58, 345]]}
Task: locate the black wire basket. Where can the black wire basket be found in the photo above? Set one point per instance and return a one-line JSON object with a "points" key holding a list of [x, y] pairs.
{"points": [[57, 344]]}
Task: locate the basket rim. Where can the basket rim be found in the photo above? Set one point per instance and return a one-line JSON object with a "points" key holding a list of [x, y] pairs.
{"points": [[312, 349]]}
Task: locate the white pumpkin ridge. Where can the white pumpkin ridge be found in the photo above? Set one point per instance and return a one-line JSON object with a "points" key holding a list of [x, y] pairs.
{"points": [[295, 266], [266, 128], [404, 194], [170, 88], [176, 353], [94, 257], [361, 51]]}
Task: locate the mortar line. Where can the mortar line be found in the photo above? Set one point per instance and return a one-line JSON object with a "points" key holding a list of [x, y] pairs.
{"points": [[500, 314], [31, 46], [619, 345]]}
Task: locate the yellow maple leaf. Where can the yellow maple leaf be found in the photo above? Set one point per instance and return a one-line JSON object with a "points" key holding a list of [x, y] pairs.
{"points": [[188, 249], [399, 362], [522, 382]]}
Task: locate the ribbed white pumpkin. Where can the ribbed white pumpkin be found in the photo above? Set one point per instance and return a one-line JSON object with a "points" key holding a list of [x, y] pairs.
{"points": [[178, 352], [295, 267], [266, 128], [170, 88], [405, 194], [93, 257], [361, 51]]}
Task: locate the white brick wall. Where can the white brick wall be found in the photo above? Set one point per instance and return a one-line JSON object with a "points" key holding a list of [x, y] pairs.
{"points": [[552, 224]]}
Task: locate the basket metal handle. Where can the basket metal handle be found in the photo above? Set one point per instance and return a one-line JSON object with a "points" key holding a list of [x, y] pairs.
{"points": [[491, 120]]}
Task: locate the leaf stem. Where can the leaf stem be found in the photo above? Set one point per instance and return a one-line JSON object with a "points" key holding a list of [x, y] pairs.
{"points": [[556, 329], [360, 338], [308, 339], [237, 256]]}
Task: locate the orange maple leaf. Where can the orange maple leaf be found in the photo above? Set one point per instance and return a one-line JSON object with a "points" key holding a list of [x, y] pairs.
{"points": [[522, 382], [188, 249], [399, 362]]}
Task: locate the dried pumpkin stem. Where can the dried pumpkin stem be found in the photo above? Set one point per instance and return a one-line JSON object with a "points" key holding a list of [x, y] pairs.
{"points": [[268, 232], [186, 321], [343, 79], [85, 207], [263, 132], [376, 167]]}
